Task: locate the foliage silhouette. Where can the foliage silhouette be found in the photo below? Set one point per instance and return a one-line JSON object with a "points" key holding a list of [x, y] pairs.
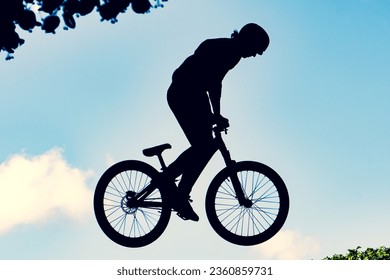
{"points": [[381, 253], [28, 14]]}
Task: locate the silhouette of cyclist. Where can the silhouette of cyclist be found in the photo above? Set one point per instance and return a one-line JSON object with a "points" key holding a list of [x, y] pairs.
{"points": [[194, 98]]}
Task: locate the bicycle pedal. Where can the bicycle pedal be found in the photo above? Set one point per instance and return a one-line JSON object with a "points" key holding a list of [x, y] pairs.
{"points": [[181, 216]]}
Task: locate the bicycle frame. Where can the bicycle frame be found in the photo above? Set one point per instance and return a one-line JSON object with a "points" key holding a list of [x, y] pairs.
{"points": [[135, 200], [138, 199]]}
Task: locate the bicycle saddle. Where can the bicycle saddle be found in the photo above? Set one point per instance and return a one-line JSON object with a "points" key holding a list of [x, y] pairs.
{"points": [[157, 150]]}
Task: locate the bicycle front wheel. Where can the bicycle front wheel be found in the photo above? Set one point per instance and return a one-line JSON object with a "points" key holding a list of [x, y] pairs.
{"points": [[257, 221], [130, 224]]}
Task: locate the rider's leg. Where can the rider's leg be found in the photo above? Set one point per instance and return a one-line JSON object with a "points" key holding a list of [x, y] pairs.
{"points": [[192, 110], [175, 169], [194, 159], [198, 158], [194, 162], [195, 118]]}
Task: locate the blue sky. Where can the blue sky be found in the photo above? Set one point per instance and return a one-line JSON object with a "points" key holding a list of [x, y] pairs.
{"points": [[314, 107]]}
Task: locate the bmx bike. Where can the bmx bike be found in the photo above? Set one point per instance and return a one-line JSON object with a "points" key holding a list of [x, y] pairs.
{"points": [[247, 202]]}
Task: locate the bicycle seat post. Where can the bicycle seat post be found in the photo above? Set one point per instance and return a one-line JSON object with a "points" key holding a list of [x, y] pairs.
{"points": [[161, 160], [157, 151]]}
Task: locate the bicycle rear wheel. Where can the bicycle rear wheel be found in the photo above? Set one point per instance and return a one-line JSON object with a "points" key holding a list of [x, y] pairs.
{"points": [[254, 223], [127, 225]]}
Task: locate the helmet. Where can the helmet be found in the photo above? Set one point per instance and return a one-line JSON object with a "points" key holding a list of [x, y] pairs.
{"points": [[255, 36]]}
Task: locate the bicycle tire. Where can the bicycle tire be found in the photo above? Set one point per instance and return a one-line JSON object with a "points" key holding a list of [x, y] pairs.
{"points": [[253, 225], [129, 227]]}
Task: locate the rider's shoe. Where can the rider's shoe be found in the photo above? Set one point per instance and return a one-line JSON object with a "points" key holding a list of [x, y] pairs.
{"points": [[184, 209], [180, 202]]}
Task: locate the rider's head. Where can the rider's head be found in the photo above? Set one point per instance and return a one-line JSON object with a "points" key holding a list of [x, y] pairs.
{"points": [[253, 40]]}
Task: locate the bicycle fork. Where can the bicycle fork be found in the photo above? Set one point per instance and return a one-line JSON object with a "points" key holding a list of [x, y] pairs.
{"points": [[231, 167]]}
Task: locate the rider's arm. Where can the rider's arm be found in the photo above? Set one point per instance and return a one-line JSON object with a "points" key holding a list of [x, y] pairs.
{"points": [[215, 98]]}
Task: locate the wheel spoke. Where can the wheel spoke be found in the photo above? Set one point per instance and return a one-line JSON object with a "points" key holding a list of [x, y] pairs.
{"points": [[228, 189], [114, 208], [254, 225], [121, 182], [113, 186]]}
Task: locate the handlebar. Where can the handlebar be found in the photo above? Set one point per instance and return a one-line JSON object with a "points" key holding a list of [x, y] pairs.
{"points": [[219, 129]]}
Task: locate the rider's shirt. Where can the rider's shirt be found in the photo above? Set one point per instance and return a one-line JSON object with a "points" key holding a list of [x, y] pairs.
{"points": [[209, 64]]}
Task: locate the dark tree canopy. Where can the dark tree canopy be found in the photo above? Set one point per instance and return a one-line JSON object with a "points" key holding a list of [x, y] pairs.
{"points": [[47, 15], [381, 253]]}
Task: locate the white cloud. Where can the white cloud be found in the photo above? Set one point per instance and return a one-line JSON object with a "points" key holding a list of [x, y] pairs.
{"points": [[289, 245], [34, 189]]}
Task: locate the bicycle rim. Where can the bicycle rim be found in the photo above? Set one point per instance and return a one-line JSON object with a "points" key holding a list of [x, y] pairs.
{"points": [[130, 226], [248, 225]]}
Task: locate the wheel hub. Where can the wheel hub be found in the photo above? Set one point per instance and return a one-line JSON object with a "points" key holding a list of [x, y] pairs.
{"points": [[247, 203], [125, 206]]}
